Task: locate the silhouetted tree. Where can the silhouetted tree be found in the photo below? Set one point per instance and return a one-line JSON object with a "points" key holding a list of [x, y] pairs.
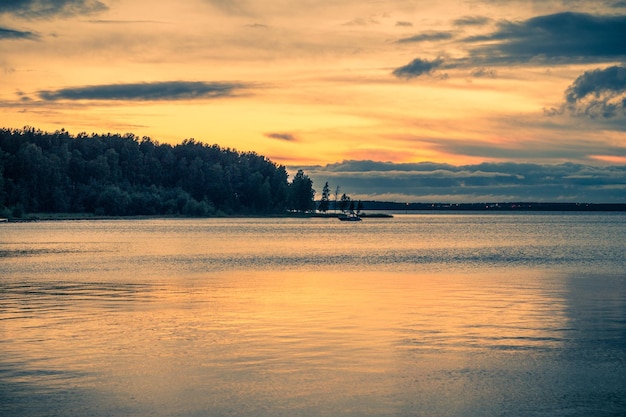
{"points": [[325, 201], [301, 193], [344, 203]]}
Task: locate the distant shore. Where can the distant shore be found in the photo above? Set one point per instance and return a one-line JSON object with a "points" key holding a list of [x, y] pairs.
{"points": [[506, 206]]}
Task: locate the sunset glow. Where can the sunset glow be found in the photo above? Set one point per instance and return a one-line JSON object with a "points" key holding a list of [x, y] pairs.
{"points": [[312, 83]]}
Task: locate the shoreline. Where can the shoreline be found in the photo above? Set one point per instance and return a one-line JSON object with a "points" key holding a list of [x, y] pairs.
{"points": [[41, 217], [371, 214]]}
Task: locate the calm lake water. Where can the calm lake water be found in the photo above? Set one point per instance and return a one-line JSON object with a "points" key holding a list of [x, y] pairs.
{"points": [[419, 315]]}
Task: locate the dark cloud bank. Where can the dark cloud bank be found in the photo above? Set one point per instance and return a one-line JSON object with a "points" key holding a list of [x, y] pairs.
{"points": [[487, 182], [171, 90], [561, 38]]}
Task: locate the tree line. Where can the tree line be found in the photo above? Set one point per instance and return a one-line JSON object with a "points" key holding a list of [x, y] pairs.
{"points": [[122, 175]]}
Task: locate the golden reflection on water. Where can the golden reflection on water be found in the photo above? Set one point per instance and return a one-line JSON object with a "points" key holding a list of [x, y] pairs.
{"points": [[286, 343], [456, 316]]}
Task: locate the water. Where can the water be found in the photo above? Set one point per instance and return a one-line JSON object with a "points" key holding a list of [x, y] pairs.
{"points": [[419, 315]]}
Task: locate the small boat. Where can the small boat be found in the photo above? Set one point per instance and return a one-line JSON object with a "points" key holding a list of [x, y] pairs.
{"points": [[352, 217]]}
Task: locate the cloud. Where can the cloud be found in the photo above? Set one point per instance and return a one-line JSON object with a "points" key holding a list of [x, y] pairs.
{"points": [[483, 73], [562, 37], [234, 7], [559, 38], [6, 33], [404, 24], [611, 79], [360, 21], [281, 136], [567, 142], [433, 182], [472, 21], [123, 22], [601, 85], [427, 36], [172, 90], [417, 67], [596, 94], [48, 8]]}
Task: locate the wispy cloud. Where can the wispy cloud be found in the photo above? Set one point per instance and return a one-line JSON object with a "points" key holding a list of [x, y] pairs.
{"points": [[232, 7], [257, 26], [281, 136], [472, 21], [49, 8], [6, 33], [427, 36], [172, 90], [417, 67], [360, 21], [549, 148], [484, 73], [123, 22]]}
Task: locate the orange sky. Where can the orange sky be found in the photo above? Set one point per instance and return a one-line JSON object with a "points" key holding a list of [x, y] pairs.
{"points": [[319, 82]]}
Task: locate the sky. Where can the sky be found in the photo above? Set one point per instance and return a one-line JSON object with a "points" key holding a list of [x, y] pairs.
{"points": [[416, 101]]}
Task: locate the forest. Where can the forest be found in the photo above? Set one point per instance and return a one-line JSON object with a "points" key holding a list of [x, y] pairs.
{"points": [[124, 175]]}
